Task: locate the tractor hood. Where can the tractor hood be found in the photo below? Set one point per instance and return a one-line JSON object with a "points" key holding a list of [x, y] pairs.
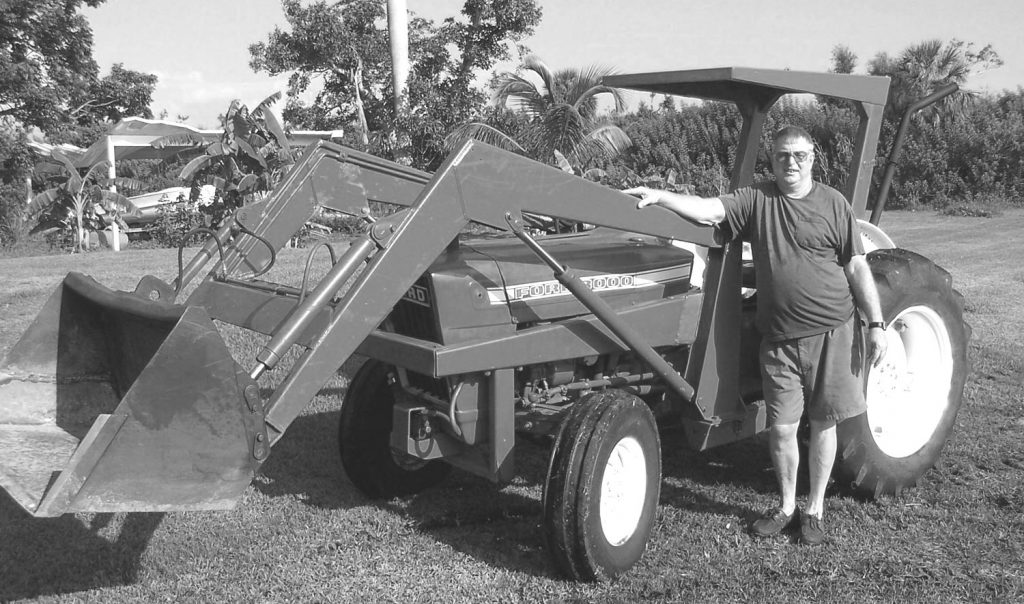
{"points": [[500, 282], [516, 274]]}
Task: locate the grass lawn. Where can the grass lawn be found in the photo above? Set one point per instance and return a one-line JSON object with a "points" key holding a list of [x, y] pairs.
{"points": [[301, 533]]}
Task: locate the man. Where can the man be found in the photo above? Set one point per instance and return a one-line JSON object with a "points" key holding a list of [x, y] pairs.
{"points": [[811, 272]]}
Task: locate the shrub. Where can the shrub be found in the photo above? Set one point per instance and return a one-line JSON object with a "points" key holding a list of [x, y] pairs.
{"points": [[948, 163], [982, 205], [174, 221], [12, 224]]}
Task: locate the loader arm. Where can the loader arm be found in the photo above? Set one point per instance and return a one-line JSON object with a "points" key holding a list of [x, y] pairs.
{"points": [[478, 183], [344, 180], [327, 176], [128, 401]]}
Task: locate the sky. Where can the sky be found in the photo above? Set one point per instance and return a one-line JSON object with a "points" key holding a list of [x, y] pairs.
{"points": [[199, 48]]}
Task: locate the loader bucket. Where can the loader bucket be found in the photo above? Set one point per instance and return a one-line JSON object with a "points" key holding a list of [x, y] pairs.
{"points": [[111, 402]]}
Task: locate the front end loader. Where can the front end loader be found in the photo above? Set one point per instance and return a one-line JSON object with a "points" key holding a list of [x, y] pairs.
{"points": [[132, 401]]}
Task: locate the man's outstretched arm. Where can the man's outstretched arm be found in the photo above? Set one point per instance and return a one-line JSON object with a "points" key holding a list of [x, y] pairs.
{"points": [[703, 210]]}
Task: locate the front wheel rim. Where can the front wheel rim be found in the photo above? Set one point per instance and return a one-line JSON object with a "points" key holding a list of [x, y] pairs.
{"points": [[908, 394], [623, 491]]}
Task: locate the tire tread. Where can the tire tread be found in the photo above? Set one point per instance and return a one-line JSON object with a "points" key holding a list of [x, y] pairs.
{"points": [[904, 279]]}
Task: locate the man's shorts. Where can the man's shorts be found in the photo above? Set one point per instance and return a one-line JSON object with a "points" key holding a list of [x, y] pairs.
{"points": [[825, 371]]}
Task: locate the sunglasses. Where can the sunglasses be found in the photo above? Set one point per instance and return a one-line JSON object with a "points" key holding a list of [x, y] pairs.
{"points": [[800, 156]]}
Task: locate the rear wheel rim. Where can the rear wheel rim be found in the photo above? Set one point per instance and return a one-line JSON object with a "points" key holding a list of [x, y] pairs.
{"points": [[623, 491], [873, 238], [908, 394]]}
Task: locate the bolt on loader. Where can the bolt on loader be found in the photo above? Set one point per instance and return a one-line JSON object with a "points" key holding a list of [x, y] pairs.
{"points": [[131, 401]]}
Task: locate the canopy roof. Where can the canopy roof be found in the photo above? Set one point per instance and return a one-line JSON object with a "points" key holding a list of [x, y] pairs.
{"points": [[739, 83], [131, 138]]}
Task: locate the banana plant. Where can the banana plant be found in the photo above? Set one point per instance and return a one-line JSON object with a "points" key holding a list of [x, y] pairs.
{"points": [[79, 203], [250, 158]]}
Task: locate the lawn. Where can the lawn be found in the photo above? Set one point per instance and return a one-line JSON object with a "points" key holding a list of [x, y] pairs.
{"points": [[301, 533]]}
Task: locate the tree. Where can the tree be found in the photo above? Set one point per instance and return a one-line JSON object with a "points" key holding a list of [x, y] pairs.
{"points": [[844, 60], [120, 94], [342, 47], [561, 114], [921, 68], [45, 59], [15, 168], [50, 81], [79, 203], [335, 43], [123, 93]]}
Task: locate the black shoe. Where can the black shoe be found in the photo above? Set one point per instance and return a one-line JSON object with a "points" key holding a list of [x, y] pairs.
{"points": [[772, 523], [811, 531]]}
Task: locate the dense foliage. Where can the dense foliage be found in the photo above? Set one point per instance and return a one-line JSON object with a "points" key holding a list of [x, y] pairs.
{"points": [[251, 157], [975, 160], [551, 116], [49, 79], [51, 89], [963, 155], [970, 165], [78, 204], [341, 49], [46, 59]]}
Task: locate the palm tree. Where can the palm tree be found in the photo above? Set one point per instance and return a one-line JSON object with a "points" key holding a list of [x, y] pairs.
{"points": [[923, 67], [560, 113]]}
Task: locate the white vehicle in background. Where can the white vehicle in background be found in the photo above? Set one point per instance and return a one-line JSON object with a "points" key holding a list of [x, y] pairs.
{"points": [[150, 205]]}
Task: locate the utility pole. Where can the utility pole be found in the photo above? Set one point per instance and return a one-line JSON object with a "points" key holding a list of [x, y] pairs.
{"points": [[115, 229], [398, 33]]}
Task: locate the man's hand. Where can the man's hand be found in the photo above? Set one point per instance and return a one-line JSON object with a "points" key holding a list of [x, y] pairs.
{"points": [[877, 344], [647, 196], [862, 283]]}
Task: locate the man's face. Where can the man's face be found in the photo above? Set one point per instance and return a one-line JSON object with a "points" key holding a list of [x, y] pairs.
{"points": [[792, 159]]}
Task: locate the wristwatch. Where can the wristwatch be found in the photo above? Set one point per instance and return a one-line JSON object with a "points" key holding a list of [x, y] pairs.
{"points": [[878, 324]]}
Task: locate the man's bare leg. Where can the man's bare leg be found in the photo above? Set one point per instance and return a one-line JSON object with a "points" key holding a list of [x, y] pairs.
{"points": [[785, 454], [822, 455]]}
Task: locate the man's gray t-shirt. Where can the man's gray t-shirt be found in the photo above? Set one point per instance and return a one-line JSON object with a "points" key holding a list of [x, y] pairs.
{"points": [[800, 247]]}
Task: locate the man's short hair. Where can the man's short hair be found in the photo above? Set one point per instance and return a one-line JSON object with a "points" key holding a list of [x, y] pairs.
{"points": [[790, 133]]}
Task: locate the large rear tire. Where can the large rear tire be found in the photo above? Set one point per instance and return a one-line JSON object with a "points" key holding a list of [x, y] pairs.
{"points": [[913, 397], [601, 493], [364, 440]]}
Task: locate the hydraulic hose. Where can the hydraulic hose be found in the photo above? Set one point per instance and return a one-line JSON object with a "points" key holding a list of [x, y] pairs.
{"points": [[567, 277]]}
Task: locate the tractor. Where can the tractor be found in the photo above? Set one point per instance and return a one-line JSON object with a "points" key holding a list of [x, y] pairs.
{"points": [[118, 401]]}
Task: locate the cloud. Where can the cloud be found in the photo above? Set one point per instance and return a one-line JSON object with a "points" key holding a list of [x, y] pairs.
{"points": [[201, 98]]}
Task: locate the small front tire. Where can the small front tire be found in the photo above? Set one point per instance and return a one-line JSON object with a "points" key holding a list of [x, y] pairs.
{"points": [[601, 493]]}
